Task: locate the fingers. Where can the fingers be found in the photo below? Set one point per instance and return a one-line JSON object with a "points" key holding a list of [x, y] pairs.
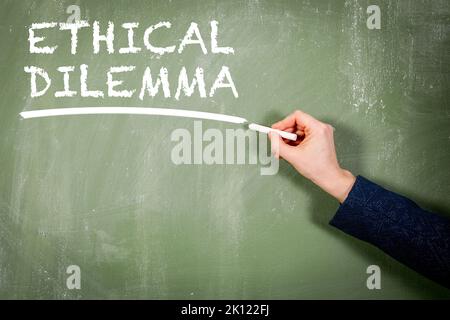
{"points": [[298, 119], [280, 149], [287, 123]]}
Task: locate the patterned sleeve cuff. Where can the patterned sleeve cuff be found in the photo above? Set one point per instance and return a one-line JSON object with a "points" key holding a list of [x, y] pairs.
{"points": [[357, 214]]}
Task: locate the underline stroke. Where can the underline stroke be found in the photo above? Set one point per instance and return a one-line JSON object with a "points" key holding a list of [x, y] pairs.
{"points": [[132, 111]]}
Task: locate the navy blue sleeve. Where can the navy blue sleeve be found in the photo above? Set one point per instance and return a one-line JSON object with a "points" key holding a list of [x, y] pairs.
{"points": [[415, 237]]}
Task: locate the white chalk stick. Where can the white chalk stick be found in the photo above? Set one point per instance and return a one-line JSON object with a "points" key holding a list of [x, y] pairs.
{"points": [[284, 134]]}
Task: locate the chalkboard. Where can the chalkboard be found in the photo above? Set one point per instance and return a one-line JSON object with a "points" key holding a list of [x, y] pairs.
{"points": [[94, 206]]}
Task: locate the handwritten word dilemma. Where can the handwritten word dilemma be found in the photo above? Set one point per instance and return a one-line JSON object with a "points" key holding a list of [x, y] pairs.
{"points": [[152, 81]]}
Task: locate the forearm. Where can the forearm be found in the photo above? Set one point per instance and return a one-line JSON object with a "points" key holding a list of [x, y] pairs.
{"points": [[396, 225]]}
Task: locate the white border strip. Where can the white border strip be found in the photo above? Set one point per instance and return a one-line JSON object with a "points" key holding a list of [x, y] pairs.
{"points": [[131, 110]]}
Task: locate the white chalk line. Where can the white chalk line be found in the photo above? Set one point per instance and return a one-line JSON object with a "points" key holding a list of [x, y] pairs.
{"points": [[133, 111]]}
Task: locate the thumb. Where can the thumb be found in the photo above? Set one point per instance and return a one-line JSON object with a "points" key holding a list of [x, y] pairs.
{"points": [[280, 148]]}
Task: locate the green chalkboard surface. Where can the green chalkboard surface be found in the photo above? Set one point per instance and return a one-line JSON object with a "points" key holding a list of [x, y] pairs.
{"points": [[101, 197]]}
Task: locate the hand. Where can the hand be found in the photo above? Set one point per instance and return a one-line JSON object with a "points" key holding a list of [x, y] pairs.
{"points": [[314, 155]]}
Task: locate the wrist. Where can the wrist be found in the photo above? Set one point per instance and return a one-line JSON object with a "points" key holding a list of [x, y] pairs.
{"points": [[339, 183]]}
